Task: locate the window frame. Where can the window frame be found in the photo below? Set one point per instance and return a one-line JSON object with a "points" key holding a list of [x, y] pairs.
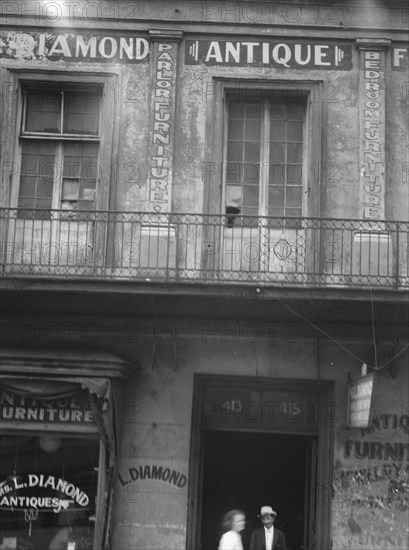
{"points": [[13, 78], [264, 183], [83, 432], [216, 130], [21, 79]]}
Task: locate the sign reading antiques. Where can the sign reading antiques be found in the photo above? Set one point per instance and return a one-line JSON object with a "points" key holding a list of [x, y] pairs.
{"points": [[276, 54], [73, 47], [68, 410], [359, 401], [36, 491]]}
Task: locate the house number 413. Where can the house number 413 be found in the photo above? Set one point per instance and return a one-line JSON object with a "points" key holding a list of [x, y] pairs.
{"points": [[233, 405]]}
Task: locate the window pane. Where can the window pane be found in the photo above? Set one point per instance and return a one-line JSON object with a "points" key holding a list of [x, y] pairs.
{"points": [[251, 173], [294, 131], [235, 130], [276, 212], [235, 150], [251, 194], [293, 212], [277, 153], [81, 112], [253, 111], [278, 111], [236, 109], [276, 196], [294, 152], [43, 107], [294, 196], [295, 111], [233, 171], [251, 211], [70, 190], [277, 130], [252, 152], [252, 130], [293, 174], [37, 175], [81, 166], [277, 172], [233, 195]]}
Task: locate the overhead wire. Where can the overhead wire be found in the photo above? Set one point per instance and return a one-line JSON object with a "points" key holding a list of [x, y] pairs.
{"points": [[344, 348], [320, 330]]}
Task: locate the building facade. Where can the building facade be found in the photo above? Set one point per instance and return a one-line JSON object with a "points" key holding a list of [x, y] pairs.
{"points": [[205, 272]]}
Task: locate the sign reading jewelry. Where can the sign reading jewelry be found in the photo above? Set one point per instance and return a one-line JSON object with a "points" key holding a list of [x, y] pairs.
{"points": [[275, 54]]}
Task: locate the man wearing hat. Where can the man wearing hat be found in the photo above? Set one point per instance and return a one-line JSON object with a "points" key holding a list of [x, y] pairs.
{"points": [[267, 537]]}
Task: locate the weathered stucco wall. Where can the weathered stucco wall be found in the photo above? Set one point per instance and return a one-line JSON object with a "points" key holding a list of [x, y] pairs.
{"points": [[371, 475], [160, 406], [193, 138]]}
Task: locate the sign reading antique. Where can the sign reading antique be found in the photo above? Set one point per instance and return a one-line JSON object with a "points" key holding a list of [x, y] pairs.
{"points": [[359, 401], [275, 54], [73, 47], [29, 409], [35, 489]]}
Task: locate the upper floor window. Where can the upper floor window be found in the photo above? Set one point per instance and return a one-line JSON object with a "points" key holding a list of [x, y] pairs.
{"points": [[264, 157], [60, 144]]}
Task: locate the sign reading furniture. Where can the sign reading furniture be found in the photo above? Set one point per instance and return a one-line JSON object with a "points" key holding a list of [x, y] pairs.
{"points": [[69, 410]]}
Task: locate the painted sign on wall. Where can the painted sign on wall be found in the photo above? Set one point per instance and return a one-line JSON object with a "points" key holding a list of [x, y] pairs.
{"points": [[372, 140], [20, 408], [162, 124], [370, 491], [153, 472], [276, 54], [34, 491], [400, 59], [73, 47]]}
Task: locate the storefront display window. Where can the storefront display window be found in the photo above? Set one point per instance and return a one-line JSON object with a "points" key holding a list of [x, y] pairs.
{"points": [[48, 491], [59, 434]]}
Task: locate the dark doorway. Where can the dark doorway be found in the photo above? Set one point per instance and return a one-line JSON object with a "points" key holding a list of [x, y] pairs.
{"points": [[247, 470]]}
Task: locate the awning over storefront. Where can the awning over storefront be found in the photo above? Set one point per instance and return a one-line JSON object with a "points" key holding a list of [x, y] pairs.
{"points": [[57, 374]]}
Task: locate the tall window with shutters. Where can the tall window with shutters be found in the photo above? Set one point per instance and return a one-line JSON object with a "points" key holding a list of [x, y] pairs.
{"points": [[60, 138], [58, 189], [264, 157], [265, 187]]}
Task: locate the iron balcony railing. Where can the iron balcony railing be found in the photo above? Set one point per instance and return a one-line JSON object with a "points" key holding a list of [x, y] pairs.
{"points": [[144, 246]]}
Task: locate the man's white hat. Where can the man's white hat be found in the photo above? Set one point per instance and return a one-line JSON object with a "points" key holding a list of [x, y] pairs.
{"points": [[267, 511]]}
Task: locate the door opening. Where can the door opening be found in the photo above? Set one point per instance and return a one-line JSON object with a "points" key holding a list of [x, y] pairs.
{"points": [[248, 470]]}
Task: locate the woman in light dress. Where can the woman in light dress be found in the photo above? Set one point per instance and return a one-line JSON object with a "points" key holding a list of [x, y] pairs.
{"points": [[233, 522]]}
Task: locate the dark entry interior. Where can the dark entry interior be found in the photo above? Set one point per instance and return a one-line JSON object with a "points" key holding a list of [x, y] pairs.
{"points": [[247, 470]]}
